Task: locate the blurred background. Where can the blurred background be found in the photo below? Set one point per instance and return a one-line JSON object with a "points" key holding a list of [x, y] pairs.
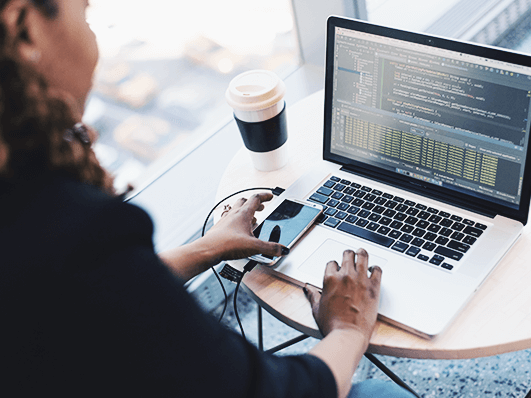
{"points": [[164, 65]]}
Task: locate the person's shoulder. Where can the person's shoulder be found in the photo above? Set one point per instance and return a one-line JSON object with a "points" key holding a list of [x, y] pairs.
{"points": [[88, 211]]}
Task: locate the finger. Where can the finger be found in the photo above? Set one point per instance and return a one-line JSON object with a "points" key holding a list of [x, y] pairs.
{"points": [[314, 297], [239, 203], [332, 267], [362, 261], [349, 261], [255, 202], [376, 274]]}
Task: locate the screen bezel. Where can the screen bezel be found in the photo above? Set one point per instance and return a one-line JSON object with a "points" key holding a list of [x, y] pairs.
{"points": [[459, 199]]}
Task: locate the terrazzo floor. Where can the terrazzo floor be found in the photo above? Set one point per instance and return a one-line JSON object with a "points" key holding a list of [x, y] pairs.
{"points": [[507, 375]]}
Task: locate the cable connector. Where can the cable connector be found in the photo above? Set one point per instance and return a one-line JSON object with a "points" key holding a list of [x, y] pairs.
{"points": [[231, 274], [278, 191]]}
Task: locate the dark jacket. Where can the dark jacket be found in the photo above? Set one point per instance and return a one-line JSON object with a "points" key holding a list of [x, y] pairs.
{"points": [[87, 309]]}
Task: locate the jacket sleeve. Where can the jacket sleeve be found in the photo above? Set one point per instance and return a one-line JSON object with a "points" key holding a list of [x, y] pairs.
{"points": [[143, 334]]}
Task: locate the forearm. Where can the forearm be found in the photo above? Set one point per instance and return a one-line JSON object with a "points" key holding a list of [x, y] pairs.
{"points": [[191, 259], [342, 350]]}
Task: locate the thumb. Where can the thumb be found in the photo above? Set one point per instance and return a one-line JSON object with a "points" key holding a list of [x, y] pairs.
{"points": [[314, 297]]}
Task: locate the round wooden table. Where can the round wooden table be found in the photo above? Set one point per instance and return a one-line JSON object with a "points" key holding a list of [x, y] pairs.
{"points": [[497, 319]]}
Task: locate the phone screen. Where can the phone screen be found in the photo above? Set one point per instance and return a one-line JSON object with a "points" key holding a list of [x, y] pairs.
{"points": [[286, 223]]}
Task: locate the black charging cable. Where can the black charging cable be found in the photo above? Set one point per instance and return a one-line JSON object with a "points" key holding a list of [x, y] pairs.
{"points": [[227, 271]]}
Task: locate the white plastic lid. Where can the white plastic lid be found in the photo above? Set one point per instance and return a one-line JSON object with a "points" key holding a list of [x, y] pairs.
{"points": [[255, 90]]}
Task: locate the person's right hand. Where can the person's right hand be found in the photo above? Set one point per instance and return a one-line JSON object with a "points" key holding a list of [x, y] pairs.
{"points": [[349, 298]]}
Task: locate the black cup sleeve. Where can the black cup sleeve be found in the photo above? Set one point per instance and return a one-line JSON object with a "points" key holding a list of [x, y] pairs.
{"points": [[264, 136]]}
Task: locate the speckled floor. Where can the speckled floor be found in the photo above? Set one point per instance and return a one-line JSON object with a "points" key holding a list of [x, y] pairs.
{"points": [[507, 375]]}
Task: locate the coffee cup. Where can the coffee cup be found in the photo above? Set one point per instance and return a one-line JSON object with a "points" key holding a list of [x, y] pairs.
{"points": [[257, 99]]}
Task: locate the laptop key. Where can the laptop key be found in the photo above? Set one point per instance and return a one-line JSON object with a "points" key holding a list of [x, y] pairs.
{"points": [[351, 219], [412, 211], [329, 184], [446, 222], [417, 242], [418, 232], [468, 222], [447, 252], [339, 187], [353, 210], [332, 203], [385, 221], [400, 247], [364, 213], [332, 222], [395, 234], [358, 202], [459, 227], [457, 236], [446, 232], [447, 266], [330, 211], [481, 226], [384, 230], [341, 215], [406, 238], [373, 226], [317, 197], [423, 257], [325, 191], [362, 222], [412, 251], [407, 228], [401, 208], [378, 209], [366, 234], [342, 206], [356, 185], [409, 203], [429, 246], [475, 232], [469, 240], [336, 179], [442, 240], [430, 236], [337, 195], [459, 246], [374, 217], [437, 260], [349, 191]]}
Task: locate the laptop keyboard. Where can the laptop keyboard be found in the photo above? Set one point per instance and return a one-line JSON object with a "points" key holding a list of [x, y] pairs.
{"points": [[414, 229]]}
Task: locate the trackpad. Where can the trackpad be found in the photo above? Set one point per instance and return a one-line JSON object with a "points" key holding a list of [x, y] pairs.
{"points": [[331, 250]]}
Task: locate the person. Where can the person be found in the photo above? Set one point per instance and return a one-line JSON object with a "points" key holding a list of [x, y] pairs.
{"points": [[88, 308]]}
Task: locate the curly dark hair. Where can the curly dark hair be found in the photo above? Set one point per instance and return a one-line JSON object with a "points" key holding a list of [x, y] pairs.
{"points": [[33, 122]]}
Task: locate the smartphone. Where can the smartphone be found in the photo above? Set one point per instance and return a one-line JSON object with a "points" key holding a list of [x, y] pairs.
{"points": [[286, 224]]}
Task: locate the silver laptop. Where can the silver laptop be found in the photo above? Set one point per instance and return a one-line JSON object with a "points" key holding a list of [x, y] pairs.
{"points": [[424, 165]]}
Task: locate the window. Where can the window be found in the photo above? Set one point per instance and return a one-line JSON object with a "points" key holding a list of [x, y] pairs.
{"points": [[164, 68]]}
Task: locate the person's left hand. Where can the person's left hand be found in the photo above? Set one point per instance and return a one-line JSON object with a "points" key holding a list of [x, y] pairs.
{"points": [[232, 235]]}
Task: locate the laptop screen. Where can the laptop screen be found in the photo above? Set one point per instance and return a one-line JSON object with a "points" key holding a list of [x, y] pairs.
{"points": [[448, 119]]}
